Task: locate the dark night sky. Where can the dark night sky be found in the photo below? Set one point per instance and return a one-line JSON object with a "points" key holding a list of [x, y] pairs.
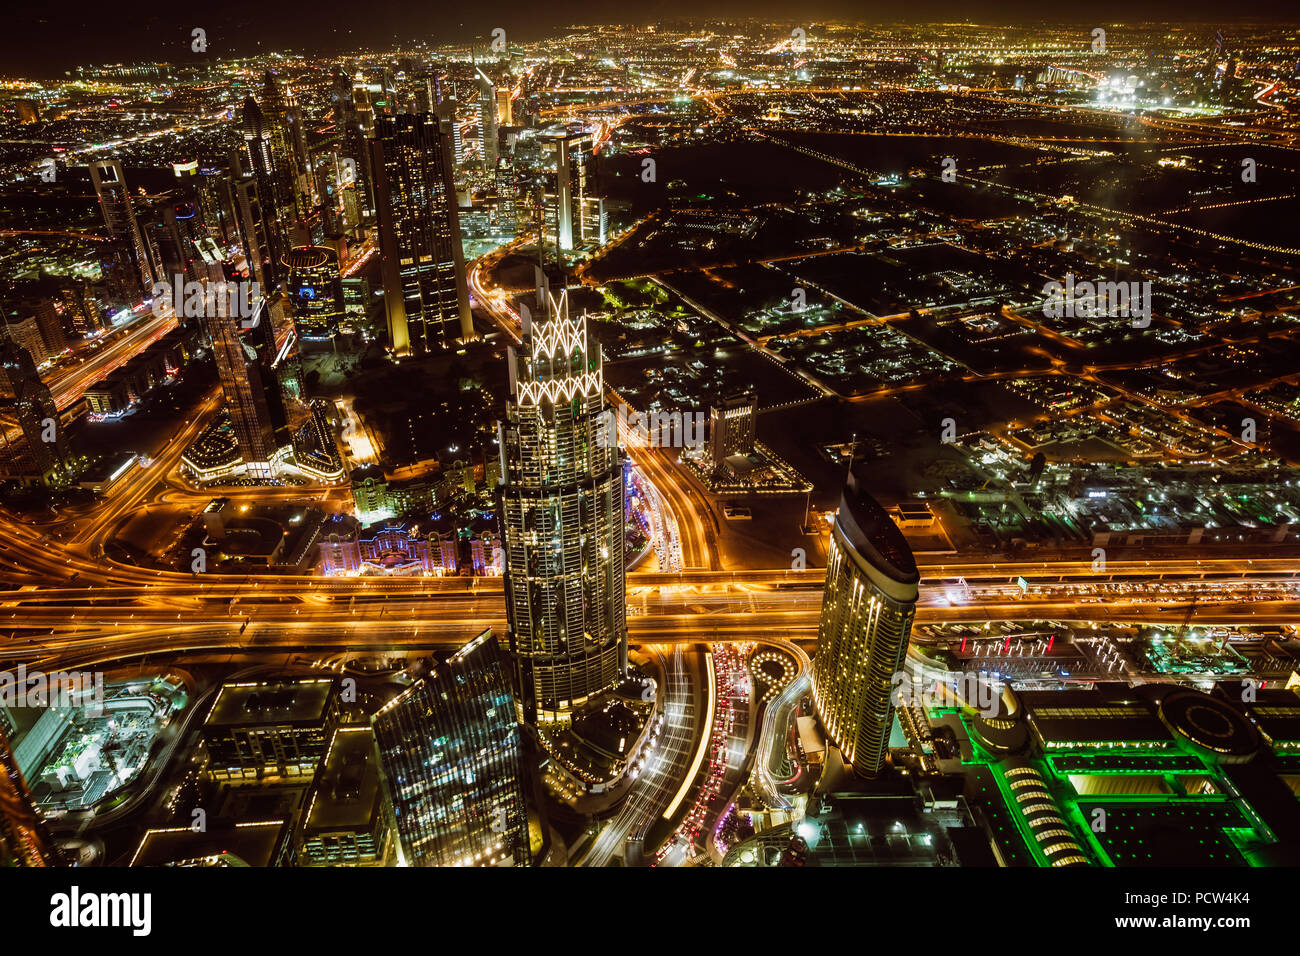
{"points": [[48, 38]]}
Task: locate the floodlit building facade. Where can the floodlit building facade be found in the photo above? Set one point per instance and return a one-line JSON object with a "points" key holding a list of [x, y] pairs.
{"points": [[870, 601], [421, 259], [451, 753], [561, 521]]}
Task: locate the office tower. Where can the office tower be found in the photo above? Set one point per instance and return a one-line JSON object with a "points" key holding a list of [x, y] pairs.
{"points": [[283, 131], [21, 327], [119, 279], [487, 114], [258, 157], [451, 123], [352, 112], [505, 111], [277, 728], [119, 216], [561, 520], [295, 135], [175, 233], [244, 386], [46, 315], [326, 174], [421, 259], [36, 449], [386, 90], [258, 230], [870, 599], [731, 427], [451, 753], [573, 216], [315, 288], [345, 823], [259, 196], [80, 312], [507, 222], [209, 189], [363, 106], [24, 839], [424, 97], [265, 158]]}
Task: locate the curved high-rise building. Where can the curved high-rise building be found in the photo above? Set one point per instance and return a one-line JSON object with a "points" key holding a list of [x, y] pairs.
{"points": [[867, 611], [561, 521], [315, 288]]}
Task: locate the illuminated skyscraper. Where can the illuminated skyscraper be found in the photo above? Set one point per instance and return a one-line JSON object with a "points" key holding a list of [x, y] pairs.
{"points": [[731, 427], [561, 520], [259, 154], [119, 216], [452, 754], [867, 610], [487, 112], [258, 230], [267, 210], [574, 217], [283, 128], [315, 288], [507, 194], [24, 840], [421, 259], [505, 108], [245, 386], [352, 111], [39, 451]]}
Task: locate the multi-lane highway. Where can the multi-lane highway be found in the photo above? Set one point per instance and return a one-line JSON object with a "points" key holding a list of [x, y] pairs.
{"points": [[61, 594]]}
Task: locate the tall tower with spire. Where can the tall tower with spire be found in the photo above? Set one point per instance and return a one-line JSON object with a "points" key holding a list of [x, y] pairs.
{"points": [[561, 515], [263, 210]]}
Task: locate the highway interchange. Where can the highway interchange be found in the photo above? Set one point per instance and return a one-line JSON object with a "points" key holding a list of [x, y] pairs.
{"points": [[67, 602]]}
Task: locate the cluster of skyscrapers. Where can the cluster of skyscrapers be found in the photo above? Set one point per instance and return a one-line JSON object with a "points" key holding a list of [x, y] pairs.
{"points": [[454, 747], [451, 745]]}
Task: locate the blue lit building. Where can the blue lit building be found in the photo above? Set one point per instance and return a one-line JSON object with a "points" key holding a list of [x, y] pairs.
{"points": [[451, 754]]}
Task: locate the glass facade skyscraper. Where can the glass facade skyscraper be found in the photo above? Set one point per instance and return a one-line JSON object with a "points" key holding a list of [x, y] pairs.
{"points": [[451, 751], [109, 180], [251, 392], [867, 611], [38, 450], [24, 840], [561, 521], [421, 259]]}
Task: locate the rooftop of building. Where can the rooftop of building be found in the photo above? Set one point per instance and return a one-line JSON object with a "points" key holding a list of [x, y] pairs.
{"points": [[874, 535], [307, 257], [1275, 711], [1109, 713], [347, 793], [251, 844], [271, 702]]}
